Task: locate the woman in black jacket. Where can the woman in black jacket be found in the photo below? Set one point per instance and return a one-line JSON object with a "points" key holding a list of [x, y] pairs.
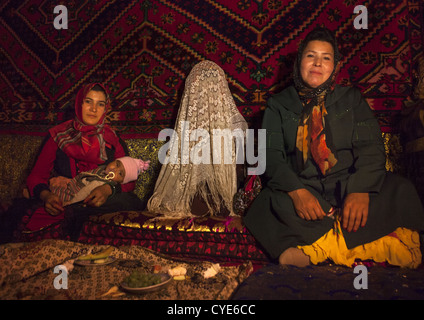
{"points": [[325, 172]]}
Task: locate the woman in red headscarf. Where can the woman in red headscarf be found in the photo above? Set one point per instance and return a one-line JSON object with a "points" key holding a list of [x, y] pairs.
{"points": [[74, 146]]}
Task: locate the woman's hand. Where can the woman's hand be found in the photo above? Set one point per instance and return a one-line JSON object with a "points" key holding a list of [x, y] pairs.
{"points": [[306, 205], [52, 202], [59, 182], [355, 211], [98, 196]]}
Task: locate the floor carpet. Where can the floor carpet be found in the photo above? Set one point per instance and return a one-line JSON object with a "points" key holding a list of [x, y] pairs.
{"points": [[328, 282], [45, 270]]}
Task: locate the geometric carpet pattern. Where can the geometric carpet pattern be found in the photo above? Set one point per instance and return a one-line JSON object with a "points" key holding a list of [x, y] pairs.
{"points": [[143, 51]]}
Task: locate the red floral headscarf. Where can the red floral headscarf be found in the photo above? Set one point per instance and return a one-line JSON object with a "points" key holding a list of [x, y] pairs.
{"points": [[85, 142]]}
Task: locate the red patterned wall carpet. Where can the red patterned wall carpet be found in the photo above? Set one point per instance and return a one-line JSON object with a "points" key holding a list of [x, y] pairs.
{"points": [[143, 51]]}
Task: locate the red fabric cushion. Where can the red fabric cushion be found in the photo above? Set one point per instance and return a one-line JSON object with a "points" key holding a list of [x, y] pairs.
{"points": [[215, 239]]}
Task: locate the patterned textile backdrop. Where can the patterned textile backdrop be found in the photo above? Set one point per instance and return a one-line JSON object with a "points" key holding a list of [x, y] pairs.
{"points": [[143, 51]]}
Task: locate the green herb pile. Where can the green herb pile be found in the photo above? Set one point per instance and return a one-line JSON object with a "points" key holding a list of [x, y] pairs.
{"points": [[139, 279]]}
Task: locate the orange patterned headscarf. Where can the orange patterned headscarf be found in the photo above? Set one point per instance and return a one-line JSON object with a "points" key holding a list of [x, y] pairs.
{"points": [[311, 136]]}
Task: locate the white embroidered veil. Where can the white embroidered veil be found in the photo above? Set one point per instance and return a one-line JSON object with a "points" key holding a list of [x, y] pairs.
{"points": [[207, 106]]}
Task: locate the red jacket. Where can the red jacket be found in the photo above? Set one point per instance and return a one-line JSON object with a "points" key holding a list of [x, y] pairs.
{"points": [[53, 162]]}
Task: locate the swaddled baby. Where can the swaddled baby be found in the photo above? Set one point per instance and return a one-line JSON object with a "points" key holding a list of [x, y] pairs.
{"points": [[119, 171]]}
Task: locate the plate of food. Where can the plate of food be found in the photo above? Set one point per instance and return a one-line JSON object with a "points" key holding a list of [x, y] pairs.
{"points": [[142, 282], [98, 259]]}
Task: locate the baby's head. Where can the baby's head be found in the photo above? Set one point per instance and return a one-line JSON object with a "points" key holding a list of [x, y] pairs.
{"points": [[126, 169]]}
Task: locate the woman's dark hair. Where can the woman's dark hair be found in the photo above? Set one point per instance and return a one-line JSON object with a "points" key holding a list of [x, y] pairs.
{"points": [[320, 34], [98, 88]]}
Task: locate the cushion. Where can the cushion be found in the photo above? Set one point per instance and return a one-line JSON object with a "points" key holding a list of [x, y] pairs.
{"points": [[17, 157], [145, 149], [211, 238], [18, 154]]}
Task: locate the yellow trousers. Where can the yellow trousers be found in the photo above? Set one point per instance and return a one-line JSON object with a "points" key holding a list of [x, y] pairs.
{"points": [[400, 248]]}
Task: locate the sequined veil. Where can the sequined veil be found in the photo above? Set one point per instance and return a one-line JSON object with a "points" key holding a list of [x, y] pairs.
{"points": [[206, 105]]}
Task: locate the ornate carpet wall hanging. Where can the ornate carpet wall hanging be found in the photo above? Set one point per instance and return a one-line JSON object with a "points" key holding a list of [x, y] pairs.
{"points": [[143, 51]]}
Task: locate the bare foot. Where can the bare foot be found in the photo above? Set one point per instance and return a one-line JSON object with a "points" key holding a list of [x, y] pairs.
{"points": [[295, 257]]}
